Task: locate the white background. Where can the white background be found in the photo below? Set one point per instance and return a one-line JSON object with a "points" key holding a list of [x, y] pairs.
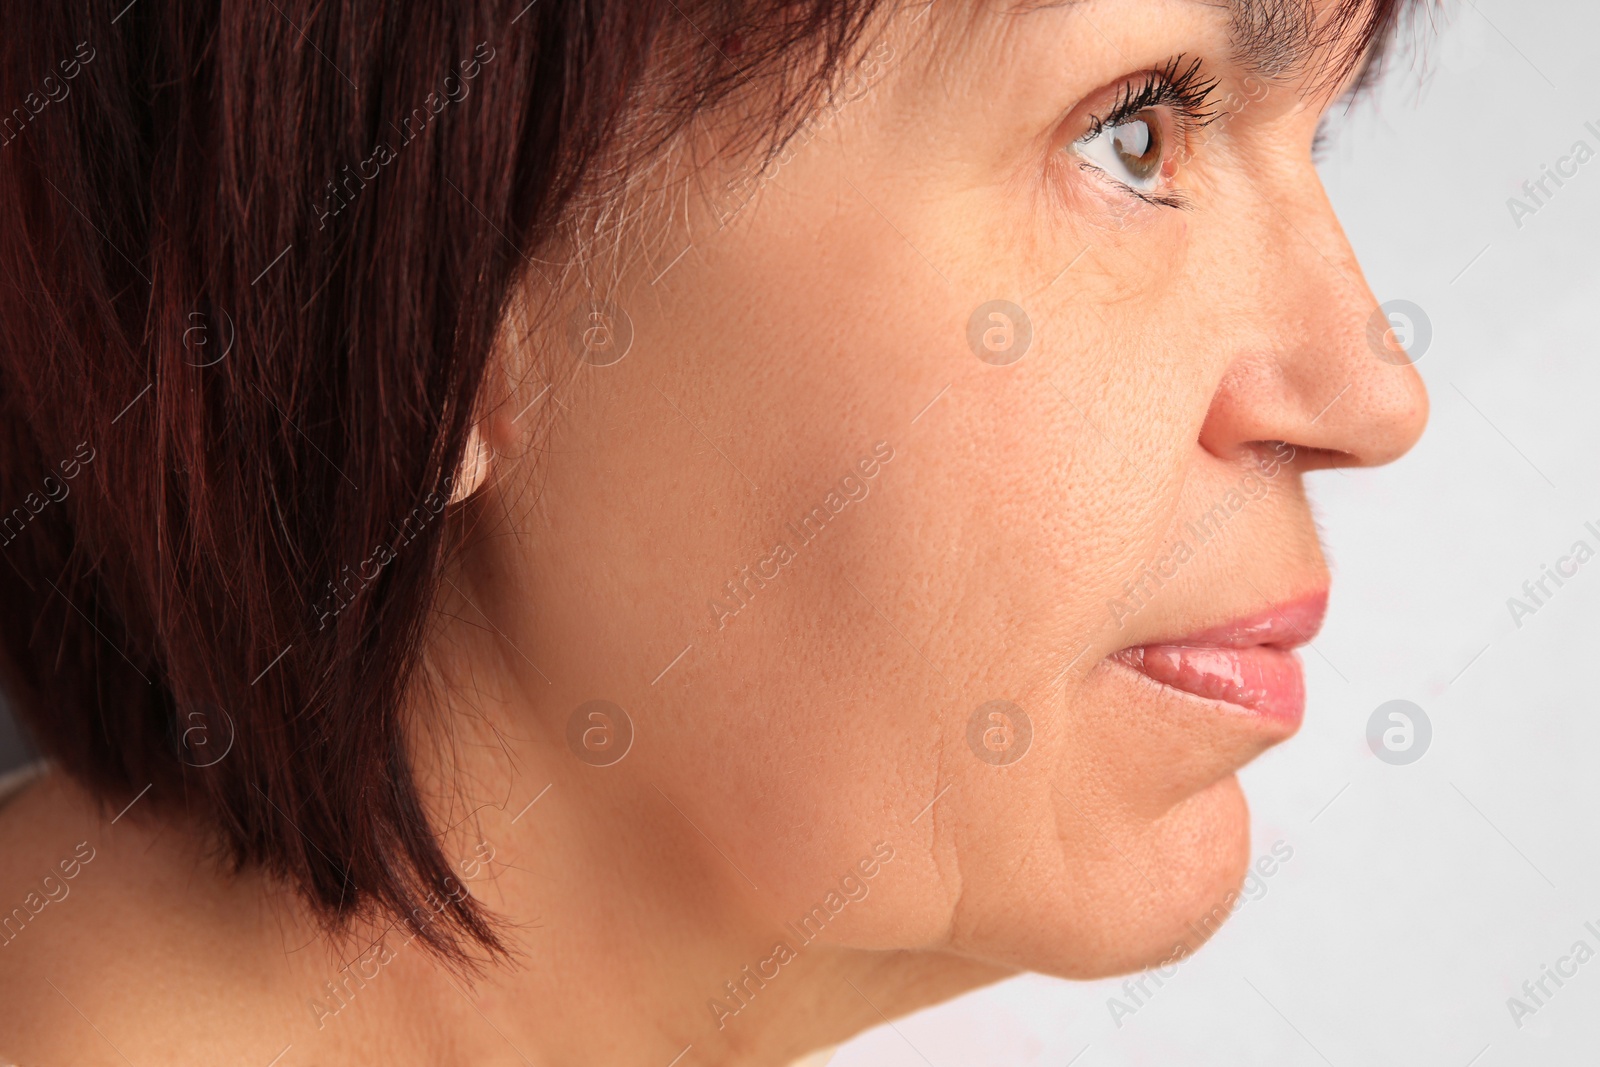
{"points": [[1424, 896]]}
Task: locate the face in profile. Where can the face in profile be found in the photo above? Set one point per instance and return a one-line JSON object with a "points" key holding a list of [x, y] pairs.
{"points": [[945, 489], [871, 560]]}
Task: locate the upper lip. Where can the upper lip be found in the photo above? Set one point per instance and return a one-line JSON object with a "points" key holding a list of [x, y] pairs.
{"points": [[1286, 625]]}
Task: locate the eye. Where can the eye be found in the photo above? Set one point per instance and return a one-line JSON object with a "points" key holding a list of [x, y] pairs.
{"points": [[1138, 141], [1133, 151]]}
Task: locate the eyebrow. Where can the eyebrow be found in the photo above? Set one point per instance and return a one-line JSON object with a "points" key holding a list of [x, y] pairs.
{"points": [[1275, 39], [1272, 38]]}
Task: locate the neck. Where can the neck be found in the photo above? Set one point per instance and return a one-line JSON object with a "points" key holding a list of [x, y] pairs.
{"points": [[634, 936], [644, 985], [610, 966]]}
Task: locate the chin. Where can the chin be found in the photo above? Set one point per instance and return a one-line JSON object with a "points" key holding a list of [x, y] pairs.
{"points": [[1202, 847], [1156, 900]]}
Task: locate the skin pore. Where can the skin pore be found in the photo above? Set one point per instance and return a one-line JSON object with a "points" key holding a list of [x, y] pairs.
{"points": [[1197, 318]]}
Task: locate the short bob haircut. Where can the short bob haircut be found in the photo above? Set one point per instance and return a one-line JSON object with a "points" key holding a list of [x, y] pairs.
{"points": [[253, 262]]}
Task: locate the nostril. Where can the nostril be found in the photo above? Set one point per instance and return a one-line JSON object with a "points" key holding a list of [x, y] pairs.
{"points": [[1317, 459]]}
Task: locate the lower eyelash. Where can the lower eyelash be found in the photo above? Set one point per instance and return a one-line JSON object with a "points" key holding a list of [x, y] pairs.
{"points": [[1176, 200]]}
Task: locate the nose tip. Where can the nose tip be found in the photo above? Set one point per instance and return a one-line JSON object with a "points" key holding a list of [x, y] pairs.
{"points": [[1397, 402], [1326, 367], [1389, 410], [1349, 410]]}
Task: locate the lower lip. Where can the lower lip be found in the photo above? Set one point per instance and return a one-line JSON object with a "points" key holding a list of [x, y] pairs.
{"points": [[1262, 679]]}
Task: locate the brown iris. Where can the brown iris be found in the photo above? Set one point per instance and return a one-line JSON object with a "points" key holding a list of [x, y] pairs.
{"points": [[1139, 147]]}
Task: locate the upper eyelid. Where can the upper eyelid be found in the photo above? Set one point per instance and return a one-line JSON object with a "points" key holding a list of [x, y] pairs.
{"points": [[1186, 85]]}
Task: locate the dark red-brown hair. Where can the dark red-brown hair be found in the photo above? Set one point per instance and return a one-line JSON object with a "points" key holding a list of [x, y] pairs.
{"points": [[253, 260]]}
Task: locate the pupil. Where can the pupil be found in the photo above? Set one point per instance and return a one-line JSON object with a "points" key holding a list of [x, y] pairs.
{"points": [[1138, 147]]}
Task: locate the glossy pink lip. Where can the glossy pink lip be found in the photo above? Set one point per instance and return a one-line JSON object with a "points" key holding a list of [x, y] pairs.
{"points": [[1249, 662]]}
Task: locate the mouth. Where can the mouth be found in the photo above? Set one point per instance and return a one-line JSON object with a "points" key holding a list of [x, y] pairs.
{"points": [[1249, 663]]}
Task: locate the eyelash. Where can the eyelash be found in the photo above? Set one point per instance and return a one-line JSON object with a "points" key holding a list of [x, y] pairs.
{"points": [[1184, 89]]}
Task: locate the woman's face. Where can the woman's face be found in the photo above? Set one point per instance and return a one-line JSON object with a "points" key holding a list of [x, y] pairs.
{"points": [[985, 392]]}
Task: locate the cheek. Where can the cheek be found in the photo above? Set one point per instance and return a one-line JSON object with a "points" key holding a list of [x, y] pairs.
{"points": [[835, 695]]}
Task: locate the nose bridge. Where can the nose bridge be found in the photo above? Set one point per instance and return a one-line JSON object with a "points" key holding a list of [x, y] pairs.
{"points": [[1324, 368]]}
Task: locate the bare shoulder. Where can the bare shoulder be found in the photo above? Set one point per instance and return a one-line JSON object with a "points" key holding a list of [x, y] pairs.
{"points": [[111, 948], [47, 835], [122, 940], [53, 852]]}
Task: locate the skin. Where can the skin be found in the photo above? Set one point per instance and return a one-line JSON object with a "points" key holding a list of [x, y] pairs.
{"points": [[825, 720]]}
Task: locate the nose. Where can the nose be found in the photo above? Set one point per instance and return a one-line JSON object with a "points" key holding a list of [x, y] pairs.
{"points": [[1318, 363]]}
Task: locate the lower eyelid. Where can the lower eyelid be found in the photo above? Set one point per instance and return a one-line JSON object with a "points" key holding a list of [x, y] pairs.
{"points": [[1155, 197], [1086, 164]]}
